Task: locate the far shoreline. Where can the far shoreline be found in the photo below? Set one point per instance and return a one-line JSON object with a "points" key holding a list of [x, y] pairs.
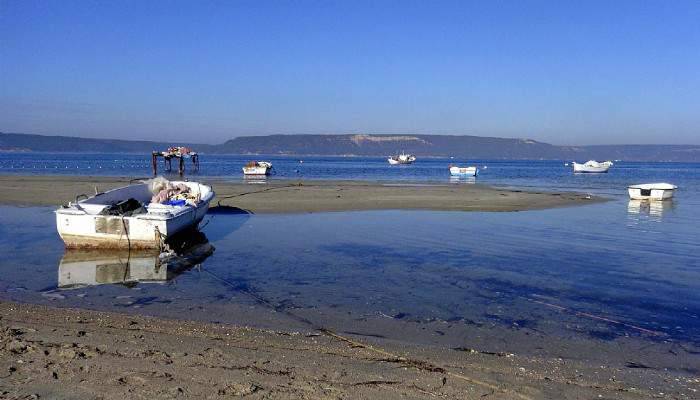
{"points": [[307, 196]]}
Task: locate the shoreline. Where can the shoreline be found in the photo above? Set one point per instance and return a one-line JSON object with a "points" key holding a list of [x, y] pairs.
{"points": [[55, 352], [304, 196]]}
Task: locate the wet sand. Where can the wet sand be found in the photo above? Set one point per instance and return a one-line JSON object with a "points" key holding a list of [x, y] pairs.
{"points": [[307, 196], [66, 353]]}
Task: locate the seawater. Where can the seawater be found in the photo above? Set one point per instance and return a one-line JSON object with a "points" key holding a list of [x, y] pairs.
{"points": [[521, 173], [601, 272]]}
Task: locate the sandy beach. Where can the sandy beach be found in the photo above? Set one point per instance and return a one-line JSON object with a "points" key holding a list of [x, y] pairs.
{"points": [[67, 353], [307, 196]]}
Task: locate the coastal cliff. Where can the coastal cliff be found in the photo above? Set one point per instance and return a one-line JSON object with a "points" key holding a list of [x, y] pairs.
{"points": [[475, 147]]}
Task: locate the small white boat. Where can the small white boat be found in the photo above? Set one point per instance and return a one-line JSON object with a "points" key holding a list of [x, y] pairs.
{"points": [[464, 171], [651, 191], [402, 158], [126, 217], [592, 166], [257, 168]]}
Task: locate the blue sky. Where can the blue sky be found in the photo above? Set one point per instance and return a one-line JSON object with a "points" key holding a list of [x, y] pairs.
{"points": [[576, 72]]}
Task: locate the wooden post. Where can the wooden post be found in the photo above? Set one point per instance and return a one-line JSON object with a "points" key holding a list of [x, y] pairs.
{"points": [[182, 166], [154, 163], [170, 163]]}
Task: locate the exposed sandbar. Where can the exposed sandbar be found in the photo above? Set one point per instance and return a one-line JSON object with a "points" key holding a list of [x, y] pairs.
{"points": [[292, 196]]}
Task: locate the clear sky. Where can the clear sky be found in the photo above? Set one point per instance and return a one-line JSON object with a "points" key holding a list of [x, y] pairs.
{"points": [[565, 72]]}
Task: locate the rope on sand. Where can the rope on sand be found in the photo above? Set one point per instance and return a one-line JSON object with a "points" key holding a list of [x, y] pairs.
{"points": [[259, 191], [597, 317], [422, 365]]}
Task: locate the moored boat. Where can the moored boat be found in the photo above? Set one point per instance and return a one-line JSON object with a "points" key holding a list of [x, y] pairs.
{"points": [[257, 168], [402, 158], [138, 216], [592, 166], [464, 171], [651, 191]]}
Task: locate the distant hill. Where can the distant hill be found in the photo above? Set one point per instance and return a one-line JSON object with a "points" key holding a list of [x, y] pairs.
{"points": [[638, 152], [24, 142], [446, 145], [367, 145], [382, 145]]}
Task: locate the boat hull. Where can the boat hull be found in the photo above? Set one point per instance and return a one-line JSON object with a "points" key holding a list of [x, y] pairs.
{"points": [[257, 171], [143, 231], [582, 168], [651, 192], [464, 171], [399, 162], [257, 168]]}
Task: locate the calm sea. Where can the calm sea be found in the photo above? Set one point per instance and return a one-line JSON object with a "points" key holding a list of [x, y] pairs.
{"points": [[528, 173], [609, 272]]}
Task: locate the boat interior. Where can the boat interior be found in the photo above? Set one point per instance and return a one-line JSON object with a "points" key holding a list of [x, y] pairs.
{"points": [[140, 192]]}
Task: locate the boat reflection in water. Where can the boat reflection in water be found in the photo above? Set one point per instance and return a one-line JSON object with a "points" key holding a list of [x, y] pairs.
{"points": [[80, 268], [462, 179], [653, 210], [255, 179]]}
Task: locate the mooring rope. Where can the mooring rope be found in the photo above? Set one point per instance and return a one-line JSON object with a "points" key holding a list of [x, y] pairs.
{"points": [[258, 191], [596, 317], [418, 364], [128, 254]]}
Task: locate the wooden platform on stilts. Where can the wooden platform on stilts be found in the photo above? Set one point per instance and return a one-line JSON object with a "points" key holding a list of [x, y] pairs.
{"points": [[178, 153]]}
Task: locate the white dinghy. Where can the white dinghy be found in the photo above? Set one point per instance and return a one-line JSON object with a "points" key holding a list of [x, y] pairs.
{"points": [[402, 158], [464, 171], [651, 191], [592, 166], [138, 216], [257, 168]]}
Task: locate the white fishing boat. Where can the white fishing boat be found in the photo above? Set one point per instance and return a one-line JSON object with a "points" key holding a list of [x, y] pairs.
{"points": [[138, 216], [257, 168], [651, 191], [464, 171], [592, 166], [402, 158]]}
